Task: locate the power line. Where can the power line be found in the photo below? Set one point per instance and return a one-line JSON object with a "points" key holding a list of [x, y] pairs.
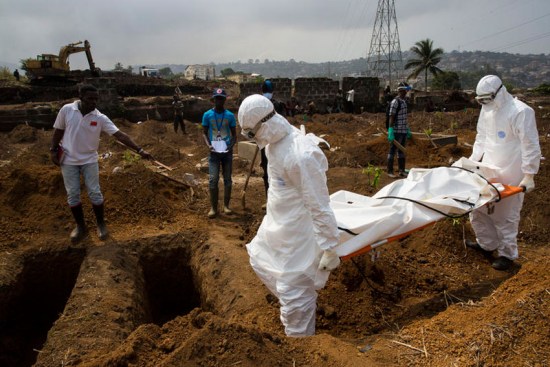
{"points": [[522, 42], [508, 29], [345, 29], [355, 14]]}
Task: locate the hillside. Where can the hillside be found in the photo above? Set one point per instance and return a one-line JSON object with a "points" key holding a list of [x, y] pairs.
{"points": [[525, 71]]}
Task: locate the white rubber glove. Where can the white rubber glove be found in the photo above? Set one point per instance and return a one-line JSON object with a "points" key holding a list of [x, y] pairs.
{"points": [[528, 182], [329, 261]]}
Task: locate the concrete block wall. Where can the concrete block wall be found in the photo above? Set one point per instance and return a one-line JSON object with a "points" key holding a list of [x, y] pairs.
{"points": [[282, 89], [322, 91], [367, 91]]}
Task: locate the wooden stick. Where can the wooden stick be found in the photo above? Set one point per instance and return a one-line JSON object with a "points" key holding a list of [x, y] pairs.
{"points": [[424, 344], [431, 141], [172, 178], [155, 162], [408, 346], [163, 165], [395, 142], [243, 195]]}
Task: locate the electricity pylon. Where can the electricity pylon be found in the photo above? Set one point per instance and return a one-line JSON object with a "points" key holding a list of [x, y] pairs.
{"points": [[384, 60]]}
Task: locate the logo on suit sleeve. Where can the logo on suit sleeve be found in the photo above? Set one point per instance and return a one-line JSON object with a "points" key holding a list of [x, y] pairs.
{"points": [[93, 123]]}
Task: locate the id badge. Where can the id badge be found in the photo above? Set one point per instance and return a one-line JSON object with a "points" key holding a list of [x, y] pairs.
{"points": [[219, 146]]}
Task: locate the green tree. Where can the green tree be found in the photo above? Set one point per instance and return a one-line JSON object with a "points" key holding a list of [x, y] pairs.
{"points": [[469, 79], [5, 73], [166, 72], [543, 89], [446, 80], [428, 58], [23, 64], [227, 71], [118, 67]]}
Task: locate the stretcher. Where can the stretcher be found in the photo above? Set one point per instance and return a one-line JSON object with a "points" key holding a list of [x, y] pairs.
{"points": [[411, 204]]}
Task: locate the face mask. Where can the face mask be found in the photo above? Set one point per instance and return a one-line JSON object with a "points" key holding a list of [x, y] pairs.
{"points": [[268, 95], [487, 99], [251, 133]]}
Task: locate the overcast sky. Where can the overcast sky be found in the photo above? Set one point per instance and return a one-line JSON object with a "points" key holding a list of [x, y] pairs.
{"points": [[136, 32]]}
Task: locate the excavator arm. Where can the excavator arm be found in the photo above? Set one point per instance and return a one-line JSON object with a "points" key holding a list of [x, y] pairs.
{"points": [[73, 48]]}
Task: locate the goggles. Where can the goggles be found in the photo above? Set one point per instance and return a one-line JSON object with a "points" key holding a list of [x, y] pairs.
{"points": [[487, 98], [251, 133]]}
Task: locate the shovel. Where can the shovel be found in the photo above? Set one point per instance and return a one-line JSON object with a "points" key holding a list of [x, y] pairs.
{"points": [[243, 197], [395, 142]]}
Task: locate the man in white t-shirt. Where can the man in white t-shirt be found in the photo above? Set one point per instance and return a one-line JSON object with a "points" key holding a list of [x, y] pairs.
{"points": [[350, 99], [74, 148]]}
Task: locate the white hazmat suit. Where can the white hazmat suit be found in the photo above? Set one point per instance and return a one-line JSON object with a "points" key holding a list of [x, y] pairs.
{"points": [[506, 137], [293, 244]]}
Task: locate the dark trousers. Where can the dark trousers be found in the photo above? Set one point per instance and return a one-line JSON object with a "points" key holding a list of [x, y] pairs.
{"points": [[402, 139], [178, 121], [263, 164], [220, 162]]}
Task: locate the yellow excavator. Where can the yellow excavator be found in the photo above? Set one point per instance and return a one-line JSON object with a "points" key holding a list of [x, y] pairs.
{"points": [[56, 67]]}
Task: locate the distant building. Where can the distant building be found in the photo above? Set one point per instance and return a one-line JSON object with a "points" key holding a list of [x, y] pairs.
{"points": [[203, 72], [149, 72], [244, 78]]}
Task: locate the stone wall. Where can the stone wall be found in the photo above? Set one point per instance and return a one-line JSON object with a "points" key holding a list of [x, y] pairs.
{"points": [[367, 92], [322, 91], [282, 89]]}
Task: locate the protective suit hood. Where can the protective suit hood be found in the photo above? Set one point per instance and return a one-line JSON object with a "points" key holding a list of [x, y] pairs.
{"points": [[252, 111], [491, 84]]}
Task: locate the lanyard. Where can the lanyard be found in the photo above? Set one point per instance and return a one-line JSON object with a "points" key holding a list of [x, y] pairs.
{"points": [[220, 124]]}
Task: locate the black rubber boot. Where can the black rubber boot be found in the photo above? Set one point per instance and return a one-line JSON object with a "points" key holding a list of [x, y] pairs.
{"points": [[502, 263], [390, 167], [213, 203], [401, 167], [80, 230], [226, 200], [102, 231]]}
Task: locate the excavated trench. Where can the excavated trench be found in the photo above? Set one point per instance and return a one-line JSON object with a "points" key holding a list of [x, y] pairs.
{"points": [[31, 304], [169, 285], [67, 294]]}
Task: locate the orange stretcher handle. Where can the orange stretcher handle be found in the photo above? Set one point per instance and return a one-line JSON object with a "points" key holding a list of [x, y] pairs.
{"points": [[511, 190]]}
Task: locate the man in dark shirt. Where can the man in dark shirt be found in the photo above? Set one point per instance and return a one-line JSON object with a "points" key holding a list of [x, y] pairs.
{"points": [[398, 129]]}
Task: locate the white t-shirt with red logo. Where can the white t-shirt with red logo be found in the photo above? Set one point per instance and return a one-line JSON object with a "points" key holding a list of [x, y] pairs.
{"points": [[81, 138]]}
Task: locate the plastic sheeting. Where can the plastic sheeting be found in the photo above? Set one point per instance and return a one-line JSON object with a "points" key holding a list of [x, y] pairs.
{"points": [[425, 196]]}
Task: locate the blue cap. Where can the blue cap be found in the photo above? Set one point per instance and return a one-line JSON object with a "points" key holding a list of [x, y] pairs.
{"points": [[219, 92], [404, 86], [267, 86]]}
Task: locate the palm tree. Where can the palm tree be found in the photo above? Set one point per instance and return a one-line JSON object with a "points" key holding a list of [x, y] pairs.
{"points": [[428, 58]]}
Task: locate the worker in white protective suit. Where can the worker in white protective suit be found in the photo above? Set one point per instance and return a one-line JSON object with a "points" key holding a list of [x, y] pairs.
{"points": [[507, 137], [292, 251]]}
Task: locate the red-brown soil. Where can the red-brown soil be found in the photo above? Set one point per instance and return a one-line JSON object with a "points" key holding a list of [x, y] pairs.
{"points": [[172, 288]]}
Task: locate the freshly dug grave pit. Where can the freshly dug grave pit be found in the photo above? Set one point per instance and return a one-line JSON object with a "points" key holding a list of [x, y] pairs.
{"points": [[40, 286], [121, 286]]}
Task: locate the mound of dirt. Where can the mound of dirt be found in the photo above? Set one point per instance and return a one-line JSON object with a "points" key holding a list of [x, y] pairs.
{"points": [[172, 288]]}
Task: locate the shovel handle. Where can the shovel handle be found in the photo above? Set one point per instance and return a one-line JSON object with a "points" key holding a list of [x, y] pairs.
{"points": [[251, 167]]}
